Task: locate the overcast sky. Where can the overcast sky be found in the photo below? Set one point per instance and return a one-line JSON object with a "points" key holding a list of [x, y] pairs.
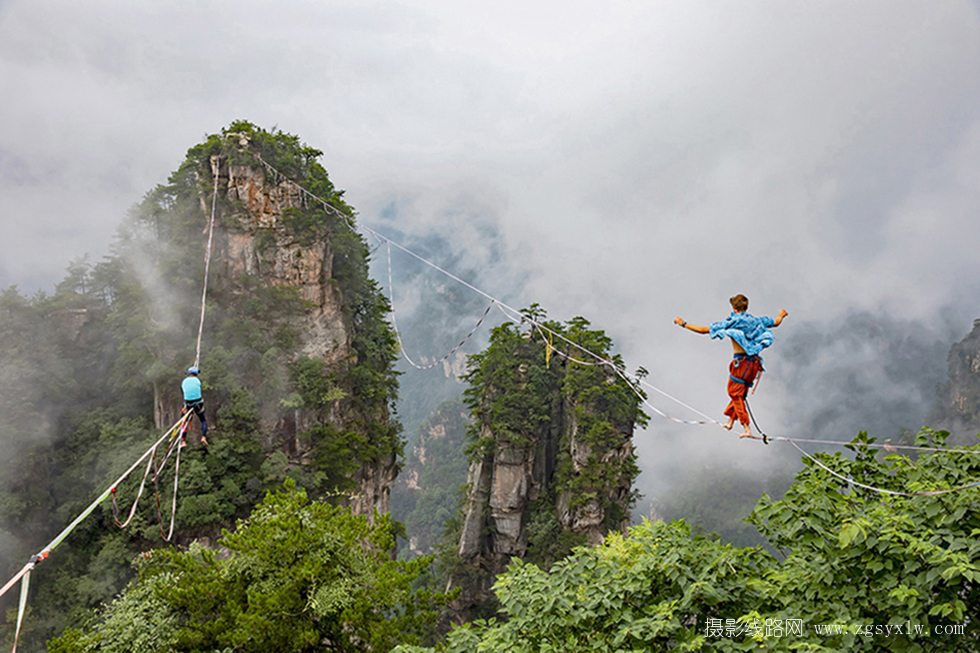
{"points": [[634, 161]]}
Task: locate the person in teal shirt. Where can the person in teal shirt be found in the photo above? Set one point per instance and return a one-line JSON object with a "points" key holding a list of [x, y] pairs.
{"points": [[194, 401]]}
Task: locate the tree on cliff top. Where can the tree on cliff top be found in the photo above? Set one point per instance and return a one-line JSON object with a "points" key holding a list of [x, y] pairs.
{"points": [[551, 455]]}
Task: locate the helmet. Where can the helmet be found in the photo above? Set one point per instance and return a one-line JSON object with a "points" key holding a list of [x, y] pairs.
{"points": [[193, 370]]}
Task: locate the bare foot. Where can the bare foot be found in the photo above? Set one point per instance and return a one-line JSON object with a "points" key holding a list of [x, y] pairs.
{"points": [[204, 441], [746, 434], [730, 424]]}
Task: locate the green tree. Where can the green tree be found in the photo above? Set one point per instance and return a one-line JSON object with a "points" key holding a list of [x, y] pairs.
{"points": [[87, 366], [856, 556], [297, 576], [527, 384], [639, 593], [846, 556]]}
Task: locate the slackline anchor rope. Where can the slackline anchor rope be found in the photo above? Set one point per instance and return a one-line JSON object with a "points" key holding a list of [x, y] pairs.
{"points": [[215, 169], [24, 574], [398, 333], [765, 438], [516, 315]]}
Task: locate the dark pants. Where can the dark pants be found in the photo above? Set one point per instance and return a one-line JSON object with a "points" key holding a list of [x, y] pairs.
{"points": [[197, 407]]}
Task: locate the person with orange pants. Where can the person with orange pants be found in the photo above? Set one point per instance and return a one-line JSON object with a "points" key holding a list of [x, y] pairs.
{"points": [[749, 336]]}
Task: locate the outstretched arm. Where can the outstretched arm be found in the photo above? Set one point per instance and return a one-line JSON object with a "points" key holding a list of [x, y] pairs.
{"points": [[691, 327], [779, 318]]}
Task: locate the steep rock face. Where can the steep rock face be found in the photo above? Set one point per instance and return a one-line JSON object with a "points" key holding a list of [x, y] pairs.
{"points": [[587, 517], [260, 245], [503, 482], [253, 247], [958, 408], [552, 466], [427, 487]]}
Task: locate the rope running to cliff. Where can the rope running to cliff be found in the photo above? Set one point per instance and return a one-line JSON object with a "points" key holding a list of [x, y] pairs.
{"points": [[24, 574], [502, 305], [633, 382], [207, 263], [398, 335]]}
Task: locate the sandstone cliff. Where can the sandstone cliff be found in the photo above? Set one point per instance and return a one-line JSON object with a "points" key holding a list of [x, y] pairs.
{"points": [[553, 460], [958, 408], [270, 238]]}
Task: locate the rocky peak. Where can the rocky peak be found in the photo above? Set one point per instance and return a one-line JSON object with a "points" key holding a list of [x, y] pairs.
{"points": [[553, 461], [958, 408], [269, 235], [254, 241]]}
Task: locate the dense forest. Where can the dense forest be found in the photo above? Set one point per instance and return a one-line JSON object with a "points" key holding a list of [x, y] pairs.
{"points": [[517, 493]]}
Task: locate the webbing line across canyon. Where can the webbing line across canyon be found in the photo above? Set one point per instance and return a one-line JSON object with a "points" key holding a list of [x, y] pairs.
{"points": [[516, 315]]}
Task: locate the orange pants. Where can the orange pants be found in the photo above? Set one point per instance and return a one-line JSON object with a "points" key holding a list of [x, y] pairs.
{"points": [[741, 375]]}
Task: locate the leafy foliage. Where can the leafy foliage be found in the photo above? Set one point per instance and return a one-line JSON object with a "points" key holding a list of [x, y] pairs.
{"points": [[856, 556], [847, 556], [298, 576], [521, 388], [437, 471]]}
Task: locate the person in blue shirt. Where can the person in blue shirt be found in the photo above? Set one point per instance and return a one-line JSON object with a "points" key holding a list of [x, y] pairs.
{"points": [[749, 336], [194, 401]]}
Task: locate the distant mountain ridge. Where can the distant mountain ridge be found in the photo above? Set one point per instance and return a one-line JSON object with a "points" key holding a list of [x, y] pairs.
{"points": [[958, 407]]}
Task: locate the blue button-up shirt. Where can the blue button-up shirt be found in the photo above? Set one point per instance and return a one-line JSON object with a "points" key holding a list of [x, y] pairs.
{"points": [[751, 332]]}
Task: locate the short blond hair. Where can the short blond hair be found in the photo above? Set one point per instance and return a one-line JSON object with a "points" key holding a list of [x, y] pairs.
{"points": [[740, 303]]}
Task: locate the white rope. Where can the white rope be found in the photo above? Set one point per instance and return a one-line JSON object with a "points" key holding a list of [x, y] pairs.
{"points": [[173, 507], [887, 446], [932, 493], [278, 177], [139, 494], [398, 334], [207, 264], [500, 304], [24, 574], [517, 316], [22, 606]]}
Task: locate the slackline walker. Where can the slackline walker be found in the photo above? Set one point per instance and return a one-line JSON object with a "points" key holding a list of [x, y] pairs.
{"points": [[749, 336], [510, 312], [733, 322], [175, 434]]}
